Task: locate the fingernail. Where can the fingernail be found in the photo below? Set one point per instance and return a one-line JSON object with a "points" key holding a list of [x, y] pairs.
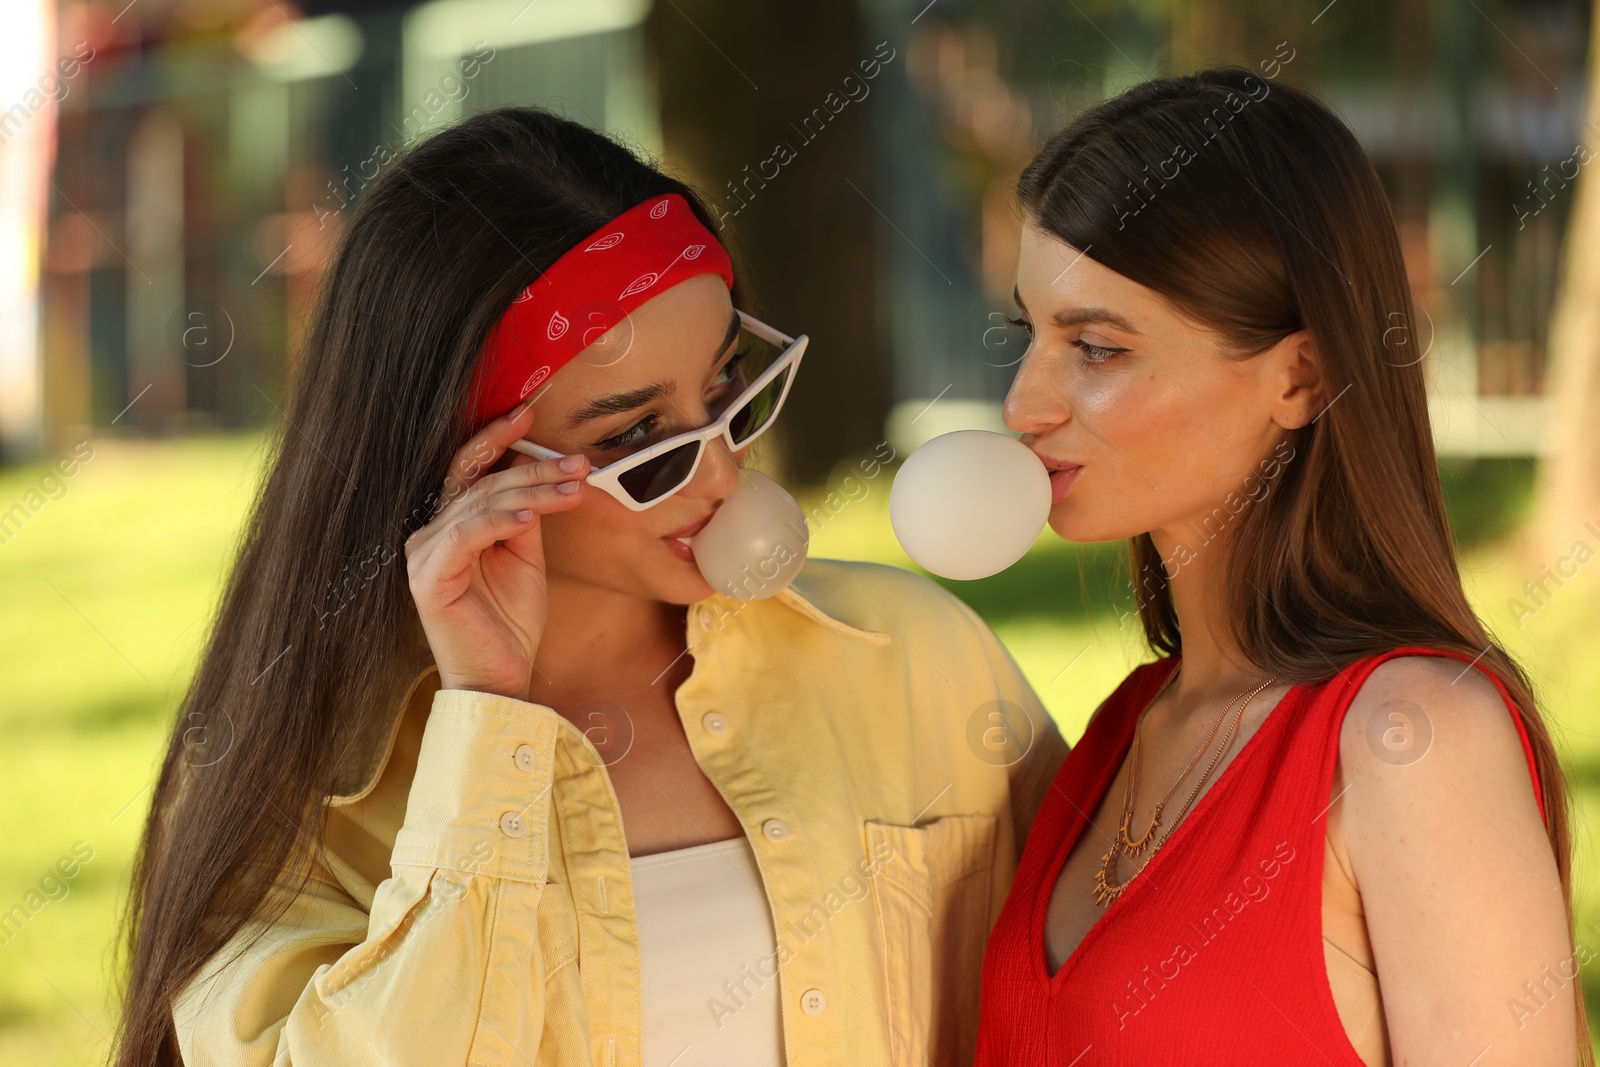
{"points": [[571, 463], [523, 410], [524, 515], [568, 487]]}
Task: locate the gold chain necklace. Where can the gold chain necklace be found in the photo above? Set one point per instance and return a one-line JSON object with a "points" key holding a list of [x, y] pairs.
{"points": [[1106, 889]]}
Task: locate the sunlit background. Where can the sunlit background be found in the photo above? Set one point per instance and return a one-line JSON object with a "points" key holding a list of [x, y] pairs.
{"points": [[174, 175]]}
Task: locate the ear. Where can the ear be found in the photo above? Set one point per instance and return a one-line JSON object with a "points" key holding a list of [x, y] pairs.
{"points": [[1298, 394]]}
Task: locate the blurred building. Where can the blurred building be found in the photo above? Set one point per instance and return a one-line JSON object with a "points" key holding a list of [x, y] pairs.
{"points": [[208, 159], [194, 170], [1473, 114]]}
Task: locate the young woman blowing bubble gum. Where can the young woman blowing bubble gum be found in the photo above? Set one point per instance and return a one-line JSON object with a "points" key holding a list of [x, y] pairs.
{"points": [[544, 797], [1369, 859]]}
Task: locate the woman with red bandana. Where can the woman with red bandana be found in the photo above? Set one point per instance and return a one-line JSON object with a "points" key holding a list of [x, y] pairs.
{"points": [[477, 766]]}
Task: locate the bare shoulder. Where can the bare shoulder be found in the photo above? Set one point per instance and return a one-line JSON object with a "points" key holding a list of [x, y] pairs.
{"points": [[1456, 874], [1430, 737], [1414, 709]]}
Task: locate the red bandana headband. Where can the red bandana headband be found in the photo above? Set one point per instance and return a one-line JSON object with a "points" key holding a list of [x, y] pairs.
{"points": [[594, 285]]}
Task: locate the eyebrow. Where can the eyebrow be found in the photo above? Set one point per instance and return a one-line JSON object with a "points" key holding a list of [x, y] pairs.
{"points": [[1077, 316], [618, 403]]}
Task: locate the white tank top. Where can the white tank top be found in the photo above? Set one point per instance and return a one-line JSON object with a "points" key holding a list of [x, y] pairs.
{"points": [[708, 957]]}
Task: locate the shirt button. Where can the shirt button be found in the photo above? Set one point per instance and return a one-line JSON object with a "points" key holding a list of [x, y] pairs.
{"points": [[714, 722], [813, 1001], [705, 619], [527, 756], [512, 824], [775, 829]]}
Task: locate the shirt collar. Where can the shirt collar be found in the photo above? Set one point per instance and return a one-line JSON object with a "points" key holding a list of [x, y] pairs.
{"points": [[823, 595]]}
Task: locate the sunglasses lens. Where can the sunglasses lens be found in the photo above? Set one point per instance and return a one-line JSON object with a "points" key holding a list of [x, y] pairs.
{"points": [[661, 475], [754, 416], [669, 471]]}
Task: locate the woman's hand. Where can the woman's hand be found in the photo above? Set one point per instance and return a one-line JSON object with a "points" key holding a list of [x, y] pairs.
{"points": [[477, 569]]}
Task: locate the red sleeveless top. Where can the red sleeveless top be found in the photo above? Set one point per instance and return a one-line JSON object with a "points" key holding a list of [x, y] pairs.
{"points": [[1223, 963]]}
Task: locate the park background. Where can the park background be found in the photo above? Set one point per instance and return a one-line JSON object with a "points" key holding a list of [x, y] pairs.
{"points": [[174, 173]]}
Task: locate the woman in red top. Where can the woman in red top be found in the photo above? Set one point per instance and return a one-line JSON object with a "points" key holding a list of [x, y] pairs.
{"points": [[1328, 826]]}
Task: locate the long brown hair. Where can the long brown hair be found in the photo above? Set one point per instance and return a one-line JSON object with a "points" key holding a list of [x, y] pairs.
{"points": [[1252, 208], [316, 635]]}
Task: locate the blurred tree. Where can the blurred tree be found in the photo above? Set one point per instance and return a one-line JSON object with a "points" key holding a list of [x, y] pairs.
{"points": [[1209, 32], [732, 96], [1570, 495]]}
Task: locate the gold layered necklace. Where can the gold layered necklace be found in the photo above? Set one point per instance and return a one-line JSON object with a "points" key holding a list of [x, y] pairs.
{"points": [[1106, 888]]}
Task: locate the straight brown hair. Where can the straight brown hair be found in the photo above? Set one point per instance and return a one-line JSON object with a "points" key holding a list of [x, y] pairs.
{"points": [[1251, 207], [317, 636]]}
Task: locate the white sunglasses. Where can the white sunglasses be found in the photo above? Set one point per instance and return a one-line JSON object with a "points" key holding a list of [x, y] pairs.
{"points": [[648, 477]]}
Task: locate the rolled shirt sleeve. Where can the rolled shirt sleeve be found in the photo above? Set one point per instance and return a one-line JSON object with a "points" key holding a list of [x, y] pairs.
{"points": [[426, 976]]}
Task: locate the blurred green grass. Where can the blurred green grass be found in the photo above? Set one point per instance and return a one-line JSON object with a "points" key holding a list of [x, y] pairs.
{"points": [[109, 590]]}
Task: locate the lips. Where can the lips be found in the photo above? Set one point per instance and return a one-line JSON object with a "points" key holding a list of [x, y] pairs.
{"points": [[677, 541], [1062, 481], [1053, 464], [692, 528], [1063, 475]]}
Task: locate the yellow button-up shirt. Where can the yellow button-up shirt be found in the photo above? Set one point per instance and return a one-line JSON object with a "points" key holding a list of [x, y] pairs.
{"points": [[472, 902]]}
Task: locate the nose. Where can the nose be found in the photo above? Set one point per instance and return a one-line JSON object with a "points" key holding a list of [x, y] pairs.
{"points": [[1035, 403], [718, 474]]}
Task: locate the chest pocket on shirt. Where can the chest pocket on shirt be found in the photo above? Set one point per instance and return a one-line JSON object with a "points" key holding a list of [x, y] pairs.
{"points": [[932, 894]]}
